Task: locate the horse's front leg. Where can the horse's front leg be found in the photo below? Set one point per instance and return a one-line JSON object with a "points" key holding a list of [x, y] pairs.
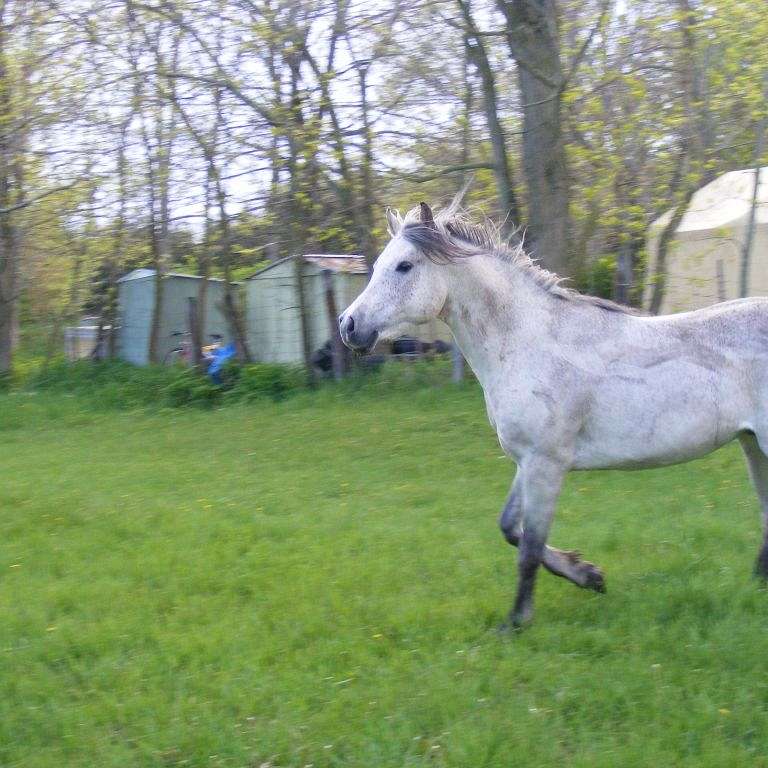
{"points": [[541, 479], [565, 563]]}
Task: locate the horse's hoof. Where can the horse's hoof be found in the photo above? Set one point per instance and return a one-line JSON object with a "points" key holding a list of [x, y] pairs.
{"points": [[594, 578], [511, 627], [517, 621], [507, 629]]}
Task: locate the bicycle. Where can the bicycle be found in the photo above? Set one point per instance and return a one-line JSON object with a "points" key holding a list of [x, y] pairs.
{"points": [[183, 353]]}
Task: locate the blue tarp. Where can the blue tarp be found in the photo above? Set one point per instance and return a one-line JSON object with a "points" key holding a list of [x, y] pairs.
{"points": [[218, 358]]}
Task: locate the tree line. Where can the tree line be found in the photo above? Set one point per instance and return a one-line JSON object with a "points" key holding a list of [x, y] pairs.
{"points": [[214, 136]]}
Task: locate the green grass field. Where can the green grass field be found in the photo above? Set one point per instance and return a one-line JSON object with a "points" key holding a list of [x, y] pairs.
{"points": [[318, 582]]}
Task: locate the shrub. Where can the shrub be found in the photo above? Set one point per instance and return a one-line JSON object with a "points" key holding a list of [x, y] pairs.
{"points": [[264, 380], [116, 384], [190, 388], [597, 277], [112, 384]]}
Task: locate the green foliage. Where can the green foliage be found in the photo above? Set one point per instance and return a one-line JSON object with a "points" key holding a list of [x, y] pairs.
{"points": [[318, 581], [406, 376], [112, 384], [190, 388], [264, 380], [597, 277], [119, 385]]}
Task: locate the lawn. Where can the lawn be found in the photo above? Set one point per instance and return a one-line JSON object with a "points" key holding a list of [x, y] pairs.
{"points": [[318, 582]]}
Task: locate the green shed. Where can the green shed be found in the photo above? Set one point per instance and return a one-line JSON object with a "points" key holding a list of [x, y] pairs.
{"points": [[136, 298], [272, 305]]}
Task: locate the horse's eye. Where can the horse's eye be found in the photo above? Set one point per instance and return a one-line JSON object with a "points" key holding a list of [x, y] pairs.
{"points": [[404, 266]]}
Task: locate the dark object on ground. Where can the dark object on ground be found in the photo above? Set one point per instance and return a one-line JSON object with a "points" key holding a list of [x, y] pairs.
{"points": [[407, 345], [370, 363], [322, 358]]}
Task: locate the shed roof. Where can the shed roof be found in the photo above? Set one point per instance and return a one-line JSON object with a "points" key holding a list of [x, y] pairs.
{"points": [[723, 201], [141, 273], [347, 263]]}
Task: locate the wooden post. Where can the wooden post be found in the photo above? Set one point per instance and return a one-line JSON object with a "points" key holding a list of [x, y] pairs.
{"points": [[306, 341], [457, 373], [196, 332], [746, 253], [720, 280], [338, 354]]}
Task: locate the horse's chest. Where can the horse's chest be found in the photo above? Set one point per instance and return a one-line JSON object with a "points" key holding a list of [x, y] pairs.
{"points": [[523, 419]]}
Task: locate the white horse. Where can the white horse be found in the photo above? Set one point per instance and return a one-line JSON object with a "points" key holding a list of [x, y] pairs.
{"points": [[571, 381]]}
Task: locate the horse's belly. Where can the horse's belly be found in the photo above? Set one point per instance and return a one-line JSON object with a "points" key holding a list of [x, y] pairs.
{"points": [[637, 454], [635, 429]]}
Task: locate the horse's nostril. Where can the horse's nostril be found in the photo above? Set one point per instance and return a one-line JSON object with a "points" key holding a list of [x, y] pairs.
{"points": [[350, 324]]}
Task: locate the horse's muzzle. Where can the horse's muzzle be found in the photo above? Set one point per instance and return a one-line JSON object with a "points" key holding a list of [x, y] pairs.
{"points": [[355, 337]]}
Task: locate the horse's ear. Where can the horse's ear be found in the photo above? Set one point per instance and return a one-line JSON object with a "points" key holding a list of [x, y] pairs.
{"points": [[425, 213], [394, 222]]}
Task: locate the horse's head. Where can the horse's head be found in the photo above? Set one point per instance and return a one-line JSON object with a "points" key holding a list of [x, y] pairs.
{"points": [[406, 286]]}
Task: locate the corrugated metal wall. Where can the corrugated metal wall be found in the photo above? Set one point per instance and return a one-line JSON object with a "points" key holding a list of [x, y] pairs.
{"points": [[135, 301], [273, 319], [135, 305], [272, 311]]}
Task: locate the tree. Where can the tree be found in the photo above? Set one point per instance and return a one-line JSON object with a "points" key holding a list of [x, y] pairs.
{"points": [[533, 37]]}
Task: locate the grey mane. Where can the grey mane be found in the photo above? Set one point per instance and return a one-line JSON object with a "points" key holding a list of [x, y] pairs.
{"points": [[454, 237]]}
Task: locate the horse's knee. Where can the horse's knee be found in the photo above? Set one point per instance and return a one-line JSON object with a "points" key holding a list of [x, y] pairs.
{"points": [[509, 529], [509, 519]]}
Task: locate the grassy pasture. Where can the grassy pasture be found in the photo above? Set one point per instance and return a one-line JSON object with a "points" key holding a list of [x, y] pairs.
{"points": [[317, 582]]}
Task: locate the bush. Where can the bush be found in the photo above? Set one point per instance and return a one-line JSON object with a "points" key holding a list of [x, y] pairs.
{"points": [[597, 277], [263, 380], [190, 388], [116, 384], [112, 384]]}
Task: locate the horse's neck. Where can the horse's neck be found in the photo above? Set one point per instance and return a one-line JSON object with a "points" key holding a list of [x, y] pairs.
{"points": [[492, 306]]}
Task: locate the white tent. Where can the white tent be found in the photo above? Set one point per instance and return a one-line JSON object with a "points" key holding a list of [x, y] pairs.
{"points": [[704, 259]]}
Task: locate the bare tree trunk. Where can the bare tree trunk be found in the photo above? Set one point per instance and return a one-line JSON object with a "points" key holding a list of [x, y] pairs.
{"points": [[457, 359], [9, 271], [749, 238], [632, 241], [9, 277], [367, 242], [306, 340], [665, 241], [301, 218], [338, 355], [693, 171], [720, 272], [231, 306], [118, 242], [196, 332], [157, 305], [155, 244], [359, 206], [204, 268], [505, 185], [533, 39], [9, 288]]}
